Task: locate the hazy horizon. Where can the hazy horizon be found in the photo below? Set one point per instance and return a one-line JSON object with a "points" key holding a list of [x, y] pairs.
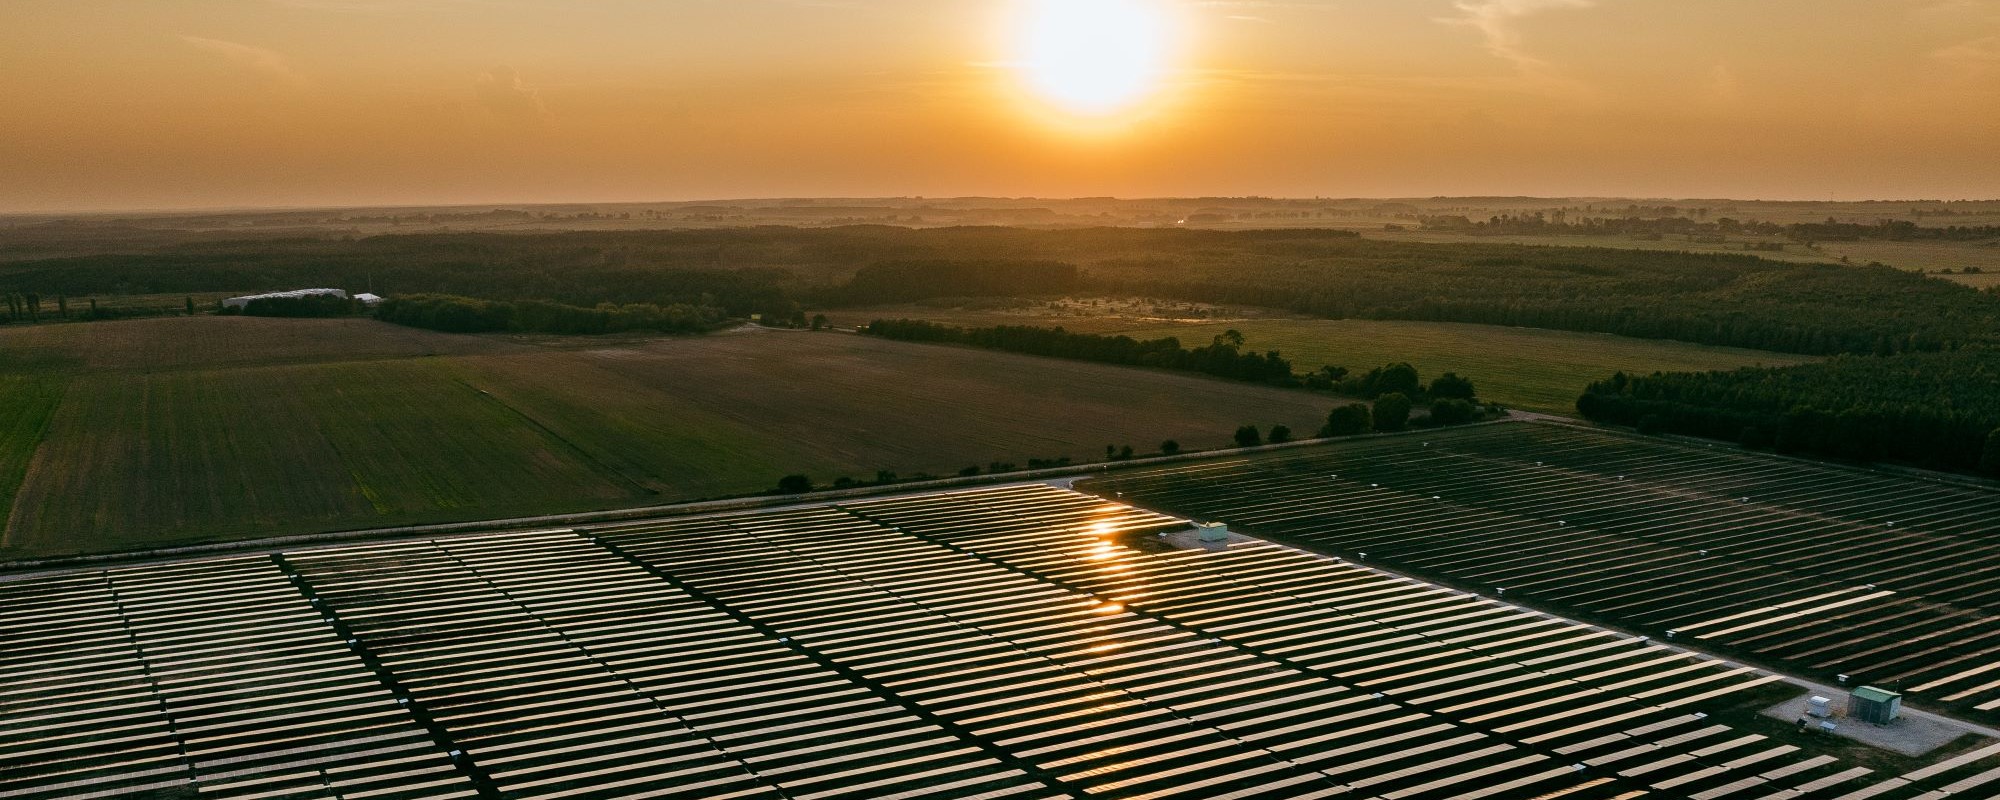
{"points": [[281, 209], [257, 104]]}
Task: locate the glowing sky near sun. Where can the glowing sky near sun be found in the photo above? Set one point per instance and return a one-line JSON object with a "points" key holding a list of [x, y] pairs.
{"points": [[1093, 58], [205, 103]]}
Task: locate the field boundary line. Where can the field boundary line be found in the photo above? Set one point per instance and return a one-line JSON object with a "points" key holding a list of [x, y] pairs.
{"points": [[25, 568], [634, 486]]}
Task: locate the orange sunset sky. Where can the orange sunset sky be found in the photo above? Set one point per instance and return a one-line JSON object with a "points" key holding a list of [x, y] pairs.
{"points": [[131, 104]]}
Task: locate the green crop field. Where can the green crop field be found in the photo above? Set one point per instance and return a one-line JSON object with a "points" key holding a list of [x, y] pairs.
{"points": [[1526, 368], [118, 435]]}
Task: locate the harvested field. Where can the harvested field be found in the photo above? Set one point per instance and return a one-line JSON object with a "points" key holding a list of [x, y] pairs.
{"points": [[1020, 641], [125, 435], [1825, 571]]}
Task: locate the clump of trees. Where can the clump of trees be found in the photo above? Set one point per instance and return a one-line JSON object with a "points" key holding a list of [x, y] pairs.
{"points": [[1349, 420], [1249, 436], [1392, 412], [1453, 411], [1398, 378], [23, 306], [468, 315], [1223, 357], [1325, 379], [1933, 409], [1450, 386]]}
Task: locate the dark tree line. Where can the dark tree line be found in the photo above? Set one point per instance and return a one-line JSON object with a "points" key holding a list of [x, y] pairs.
{"points": [[467, 315], [23, 306], [1891, 230], [1710, 299], [1222, 357], [299, 307], [1722, 299], [1394, 388], [582, 271], [1933, 409], [1541, 224]]}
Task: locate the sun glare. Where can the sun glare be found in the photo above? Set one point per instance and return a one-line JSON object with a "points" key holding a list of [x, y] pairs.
{"points": [[1092, 58]]}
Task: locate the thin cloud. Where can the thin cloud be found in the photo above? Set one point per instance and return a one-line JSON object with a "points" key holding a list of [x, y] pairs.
{"points": [[1977, 51], [267, 63], [1495, 20], [504, 94], [372, 6]]}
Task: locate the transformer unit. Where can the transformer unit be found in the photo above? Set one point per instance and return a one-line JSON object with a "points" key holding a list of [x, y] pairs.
{"points": [[1878, 706], [1211, 531]]}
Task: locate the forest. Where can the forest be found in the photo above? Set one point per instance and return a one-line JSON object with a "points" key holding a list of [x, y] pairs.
{"points": [[466, 315], [1730, 300], [1932, 409], [908, 281], [1717, 299]]}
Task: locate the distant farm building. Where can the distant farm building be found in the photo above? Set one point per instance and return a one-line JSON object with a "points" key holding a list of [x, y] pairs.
{"points": [[1878, 706], [367, 299], [239, 302]]}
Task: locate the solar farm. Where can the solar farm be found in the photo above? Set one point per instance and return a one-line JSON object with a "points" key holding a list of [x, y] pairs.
{"points": [[1818, 569], [1023, 641]]}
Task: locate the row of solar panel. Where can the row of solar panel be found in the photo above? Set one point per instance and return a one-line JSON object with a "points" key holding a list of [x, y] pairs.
{"points": [[1837, 571], [218, 675], [1024, 642]]}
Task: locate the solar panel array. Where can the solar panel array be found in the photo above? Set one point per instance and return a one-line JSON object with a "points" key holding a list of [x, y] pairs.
{"points": [[217, 674], [1889, 580], [1021, 642]]}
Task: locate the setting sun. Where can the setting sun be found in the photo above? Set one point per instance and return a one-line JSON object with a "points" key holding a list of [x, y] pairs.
{"points": [[1092, 58]]}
